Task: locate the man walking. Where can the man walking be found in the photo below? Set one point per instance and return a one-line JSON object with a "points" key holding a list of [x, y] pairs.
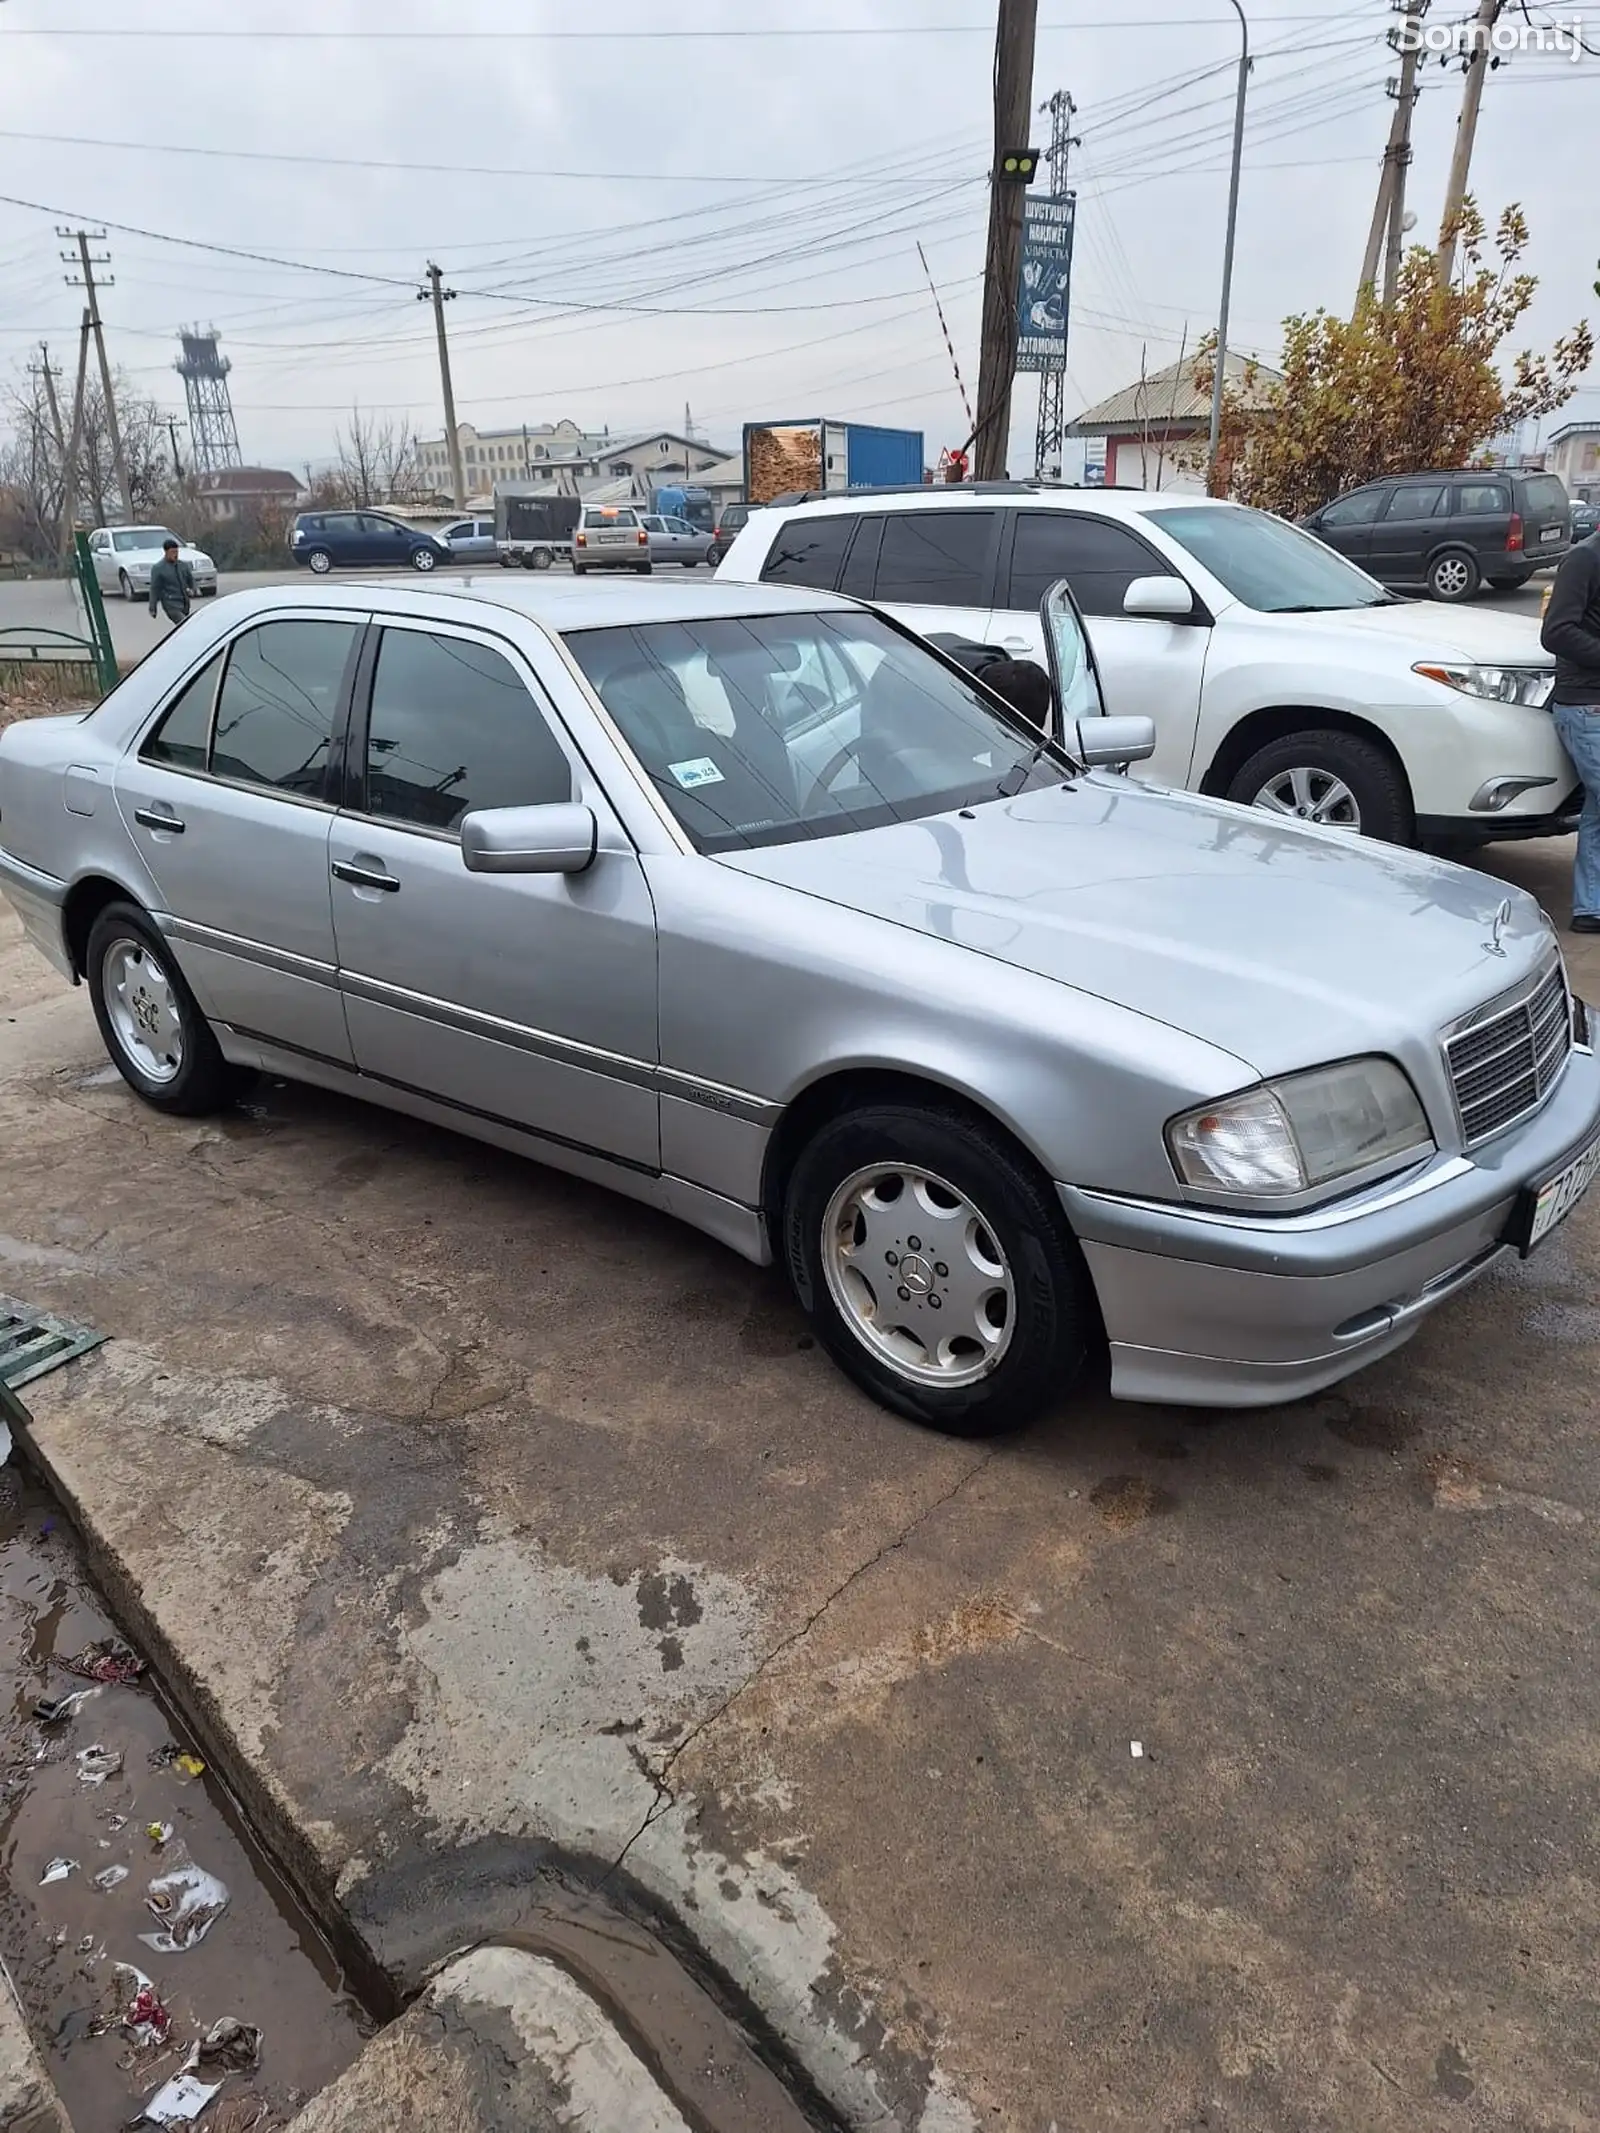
{"points": [[1572, 631], [171, 585]]}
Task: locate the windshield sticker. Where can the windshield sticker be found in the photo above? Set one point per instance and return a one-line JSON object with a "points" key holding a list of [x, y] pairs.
{"points": [[702, 771]]}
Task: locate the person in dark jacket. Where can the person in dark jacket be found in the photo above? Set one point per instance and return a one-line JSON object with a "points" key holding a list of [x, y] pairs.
{"points": [[1572, 631], [171, 585]]}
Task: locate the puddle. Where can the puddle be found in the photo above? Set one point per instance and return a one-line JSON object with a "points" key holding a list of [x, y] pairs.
{"points": [[261, 1961]]}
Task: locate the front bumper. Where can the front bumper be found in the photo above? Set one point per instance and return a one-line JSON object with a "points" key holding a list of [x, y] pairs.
{"points": [[1220, 1310]]}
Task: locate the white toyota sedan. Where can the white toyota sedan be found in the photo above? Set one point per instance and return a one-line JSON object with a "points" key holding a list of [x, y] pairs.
{"points": [[123, 556]]}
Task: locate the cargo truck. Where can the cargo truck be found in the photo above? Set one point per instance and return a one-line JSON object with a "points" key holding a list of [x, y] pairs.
{"points": [[796, 458], [677, 499], [533, 530]]}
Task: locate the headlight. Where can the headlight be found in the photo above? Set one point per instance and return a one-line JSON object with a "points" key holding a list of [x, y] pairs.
{"points": [[1292, 1135], [1501, 685]]}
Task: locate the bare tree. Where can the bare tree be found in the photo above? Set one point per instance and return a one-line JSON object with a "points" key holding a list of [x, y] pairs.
{"points": [[378, 463], [32, 468]]}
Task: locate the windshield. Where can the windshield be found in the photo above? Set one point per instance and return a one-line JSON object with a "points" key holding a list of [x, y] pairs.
{"points": [[145, 537], [1269, 565], [769, 728]]}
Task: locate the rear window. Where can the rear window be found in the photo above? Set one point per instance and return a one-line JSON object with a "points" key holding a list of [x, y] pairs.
{"points": [[936, 558], [733, 517], [808, 551], [308, 524], [1545, 493], [611, 518]]}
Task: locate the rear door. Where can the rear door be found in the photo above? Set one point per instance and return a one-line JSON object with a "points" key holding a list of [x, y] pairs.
{"points": [[936, 569], [1407, 530], [228, 799], [1481, 521], [1149, 668], [524, 999]]}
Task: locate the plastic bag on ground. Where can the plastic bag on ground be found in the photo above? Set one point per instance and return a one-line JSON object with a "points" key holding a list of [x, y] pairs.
{"points": [[96, 1764], [177, 2101], [189, 1901], [229, 2047]]}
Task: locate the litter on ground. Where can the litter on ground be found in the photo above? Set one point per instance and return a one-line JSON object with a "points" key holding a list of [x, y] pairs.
{"points": [[58, 1870], [96, 1764], [177, 2101], [109, 1660], [189, 1901]]}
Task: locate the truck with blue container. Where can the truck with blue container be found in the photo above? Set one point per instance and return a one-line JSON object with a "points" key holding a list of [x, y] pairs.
{"points": [[676, 499], [816, 455]]}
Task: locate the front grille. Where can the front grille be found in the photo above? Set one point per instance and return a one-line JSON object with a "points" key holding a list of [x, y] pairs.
{"points": [[1505, 1064]]}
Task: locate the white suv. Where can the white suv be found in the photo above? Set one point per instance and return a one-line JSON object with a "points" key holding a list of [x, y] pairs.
{"points": [[1276, 672]]}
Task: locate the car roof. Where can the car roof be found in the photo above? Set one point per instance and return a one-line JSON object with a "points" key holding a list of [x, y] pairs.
{"points": [[974, 496], [558, 603]]}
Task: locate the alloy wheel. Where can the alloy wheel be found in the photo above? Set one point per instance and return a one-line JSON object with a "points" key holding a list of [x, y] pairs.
{"points": [[1311, 795], [917, 1274]]}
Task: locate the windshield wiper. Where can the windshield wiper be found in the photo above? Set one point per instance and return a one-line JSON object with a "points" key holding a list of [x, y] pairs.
{"points": [[1022, 772]]}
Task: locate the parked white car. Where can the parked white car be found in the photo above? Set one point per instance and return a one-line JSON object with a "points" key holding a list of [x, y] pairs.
{"points": [[123, 556], [1277, 673]]}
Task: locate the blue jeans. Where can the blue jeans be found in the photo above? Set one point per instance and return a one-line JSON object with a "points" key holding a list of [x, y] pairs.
{"points": [[1579, 728]]}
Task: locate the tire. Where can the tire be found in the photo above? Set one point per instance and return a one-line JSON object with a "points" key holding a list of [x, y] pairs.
{"points": [[1508, 585], [580, 570], [1335, 778], [1453, 575], [540, 559], [320, 561], [691, 562], [423, 559], [641, 570], [973, 1185], [123, 944], [126, 583]]}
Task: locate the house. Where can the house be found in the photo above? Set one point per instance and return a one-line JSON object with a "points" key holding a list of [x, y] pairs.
{"points": [[1573, 452], [724, 479], [227, 494], [1153, 427], [533, 452]]}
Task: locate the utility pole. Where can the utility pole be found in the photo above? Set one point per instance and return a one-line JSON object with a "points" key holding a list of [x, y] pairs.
{"points": [[177, 463], [42, 369], [1388, 210], [1489, 13], [87, 263], [997, 363], [1052, 382], [69, 468], [1227, 252], [439, 296]]}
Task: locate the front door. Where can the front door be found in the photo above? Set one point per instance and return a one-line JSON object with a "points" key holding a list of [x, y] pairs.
{"points": [[227, 801], [382, 541], [528, 1000], [1346, 524], [1406, 531], [1148, 668]]}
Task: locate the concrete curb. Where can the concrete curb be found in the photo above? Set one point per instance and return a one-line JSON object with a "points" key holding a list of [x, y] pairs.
{"points": [[28, 2101], [501, 2042]]}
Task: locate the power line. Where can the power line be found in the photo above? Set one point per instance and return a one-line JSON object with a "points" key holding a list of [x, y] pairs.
{"points": [[808, 31]]}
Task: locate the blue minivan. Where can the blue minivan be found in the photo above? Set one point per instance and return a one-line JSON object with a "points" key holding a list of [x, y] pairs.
{"points": [[322, 539]]}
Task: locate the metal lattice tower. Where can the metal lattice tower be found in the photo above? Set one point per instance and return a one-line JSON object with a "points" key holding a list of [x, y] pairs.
{"points": [[1047, 438], [214, 439]]}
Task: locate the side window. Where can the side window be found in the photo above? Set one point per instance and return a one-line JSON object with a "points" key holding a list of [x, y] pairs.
{"points": [[808, 551], [1415, 499], [1098, 558], [861, 565], [1476, 498], [936, 558], [369, 523], [182, 736], [277, 705], [452, 728], [1358, 510]]}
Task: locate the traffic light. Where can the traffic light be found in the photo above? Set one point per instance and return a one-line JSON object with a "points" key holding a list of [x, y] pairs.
{"points": [[1018, 166]]}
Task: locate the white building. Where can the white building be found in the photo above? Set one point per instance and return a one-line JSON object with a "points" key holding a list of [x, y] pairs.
{"points": [[1573, 452], [551, 450]]}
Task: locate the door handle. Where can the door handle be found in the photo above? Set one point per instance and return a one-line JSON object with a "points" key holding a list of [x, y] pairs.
{"points": [[148, 818], [1016, 644], [364, 877]]}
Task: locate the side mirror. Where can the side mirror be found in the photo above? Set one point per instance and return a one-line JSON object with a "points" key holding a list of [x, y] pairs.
{"points": [[1161, 599], [1112, 743], [557, 839]]}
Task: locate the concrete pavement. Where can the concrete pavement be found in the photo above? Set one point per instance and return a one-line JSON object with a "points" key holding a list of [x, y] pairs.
{"points": [[516, 1551]]}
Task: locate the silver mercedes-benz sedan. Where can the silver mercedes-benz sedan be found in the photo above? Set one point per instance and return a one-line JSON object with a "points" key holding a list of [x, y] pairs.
{"points": [[746, 902]]}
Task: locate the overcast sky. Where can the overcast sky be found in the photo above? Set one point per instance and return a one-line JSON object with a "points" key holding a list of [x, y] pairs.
{"points": [[671, 203]]}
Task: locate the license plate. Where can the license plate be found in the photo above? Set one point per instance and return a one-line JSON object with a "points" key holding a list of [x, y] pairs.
{"points": [[1542, 1207], [1550, 534]]}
